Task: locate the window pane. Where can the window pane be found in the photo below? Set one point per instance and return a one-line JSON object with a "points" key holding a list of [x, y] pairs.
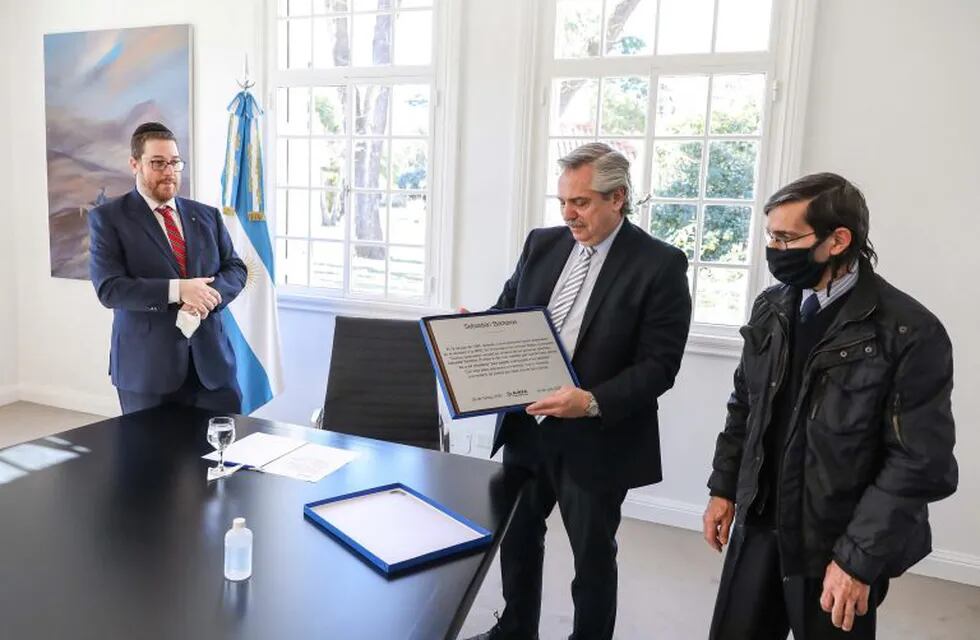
{"points": [[677, 169], [682, 102], [731, 169], [577, 25], [327, 216], [293, 111], [406, 219], [371, 41], [573, 106], [370, 216], [624, 106], [409, 164], [407, 272], [629, 27], [330, 6], [331, 42], [297, 213], [329, 111], [736, 103], [295, 259], [559, 149], [685, 26], [298, 46], [293, 162], [676, 224], [280, 260], [552, 212], [410, 110], [371, 164], [371, 5], [367, 274], [329, 164], [413, 37], [280, 213], [743, 25], [297, 7], [633, 149], [720, 298], [327, 265], [726, 234], [371, 109]]}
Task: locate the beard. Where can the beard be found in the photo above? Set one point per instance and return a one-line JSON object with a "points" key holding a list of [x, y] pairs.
{"points": [[161, 189]]}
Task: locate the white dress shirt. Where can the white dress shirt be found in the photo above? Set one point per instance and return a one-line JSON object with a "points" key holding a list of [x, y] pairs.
{"points": [[573, 321], [174, 291]]}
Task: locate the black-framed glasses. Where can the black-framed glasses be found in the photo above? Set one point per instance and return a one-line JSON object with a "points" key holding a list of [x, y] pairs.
{"points": [[158, 164], [783, 243]]}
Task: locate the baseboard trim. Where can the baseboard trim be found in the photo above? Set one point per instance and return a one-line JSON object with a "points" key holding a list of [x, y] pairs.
{"points": [[97, 404], [9, 394], [944, 564]]}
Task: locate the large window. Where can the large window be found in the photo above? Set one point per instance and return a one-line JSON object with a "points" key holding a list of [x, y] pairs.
{"points": [[354, 129], [680, 87]]}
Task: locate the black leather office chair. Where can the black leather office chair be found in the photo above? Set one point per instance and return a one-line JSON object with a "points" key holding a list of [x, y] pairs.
{"points": [[381, 384]]}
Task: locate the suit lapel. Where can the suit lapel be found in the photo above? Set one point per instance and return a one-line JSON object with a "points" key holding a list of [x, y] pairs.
{"points": [[138, 210], [188, 221], [613, 264], [542, 287]]}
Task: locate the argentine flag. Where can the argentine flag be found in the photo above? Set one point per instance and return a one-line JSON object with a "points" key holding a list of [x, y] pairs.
{"points": [[253, 321]]}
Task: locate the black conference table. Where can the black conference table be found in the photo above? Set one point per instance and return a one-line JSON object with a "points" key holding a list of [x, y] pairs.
{"points": [[126, 540]]}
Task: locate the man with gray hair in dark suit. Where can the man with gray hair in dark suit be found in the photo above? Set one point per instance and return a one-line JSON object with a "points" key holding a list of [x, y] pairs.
{"points": [[620, 302]]}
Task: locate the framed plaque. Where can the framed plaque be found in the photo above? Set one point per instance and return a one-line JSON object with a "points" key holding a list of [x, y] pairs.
{"points": [[496, 361]]}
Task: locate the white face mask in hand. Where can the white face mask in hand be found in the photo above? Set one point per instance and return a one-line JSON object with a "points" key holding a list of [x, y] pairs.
{"points": [[188, 323]]}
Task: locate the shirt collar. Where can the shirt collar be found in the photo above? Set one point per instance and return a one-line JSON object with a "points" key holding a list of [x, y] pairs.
{"points": [[602, 248], [835, 289], [153, 204]]}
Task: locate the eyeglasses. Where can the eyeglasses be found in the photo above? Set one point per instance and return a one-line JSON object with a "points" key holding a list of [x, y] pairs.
{"points": [[159, 165], [783, 243]]}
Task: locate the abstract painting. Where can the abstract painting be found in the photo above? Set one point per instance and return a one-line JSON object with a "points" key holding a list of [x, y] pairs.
{"points": [[98, 87]]}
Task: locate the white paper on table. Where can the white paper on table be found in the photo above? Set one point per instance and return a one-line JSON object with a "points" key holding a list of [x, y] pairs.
{"points": [[311, 462], [258, 449], [395, 525]]}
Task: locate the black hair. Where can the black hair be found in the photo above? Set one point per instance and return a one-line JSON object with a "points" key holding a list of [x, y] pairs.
{"points": [[833, 202], [148, 131]]}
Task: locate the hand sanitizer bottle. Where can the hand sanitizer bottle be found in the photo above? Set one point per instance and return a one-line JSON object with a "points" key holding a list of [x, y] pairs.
{"points": [[238, 551]]}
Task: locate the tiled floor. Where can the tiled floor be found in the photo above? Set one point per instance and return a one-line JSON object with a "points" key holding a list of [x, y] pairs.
{"points": [[667, 576]]}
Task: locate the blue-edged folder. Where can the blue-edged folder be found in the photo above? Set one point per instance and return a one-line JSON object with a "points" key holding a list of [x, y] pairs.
{"points": [[396, 528]]}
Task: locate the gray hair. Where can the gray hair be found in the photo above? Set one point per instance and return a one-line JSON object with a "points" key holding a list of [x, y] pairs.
{"points": [[611, 170]]}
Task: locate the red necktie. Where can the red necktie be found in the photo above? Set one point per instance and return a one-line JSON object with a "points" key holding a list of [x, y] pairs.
{"points": [[176, 240]]}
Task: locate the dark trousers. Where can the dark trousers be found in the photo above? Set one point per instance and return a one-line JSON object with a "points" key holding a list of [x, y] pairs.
{"points": [[591, 518], [190, 394], [756, 603]]}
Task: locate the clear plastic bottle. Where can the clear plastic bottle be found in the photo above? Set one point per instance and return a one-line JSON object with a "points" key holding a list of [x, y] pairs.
{"points": [[238, 551]]}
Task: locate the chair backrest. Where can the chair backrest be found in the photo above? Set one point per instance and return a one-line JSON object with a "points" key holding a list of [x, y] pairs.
{"points": [[381, 383]]}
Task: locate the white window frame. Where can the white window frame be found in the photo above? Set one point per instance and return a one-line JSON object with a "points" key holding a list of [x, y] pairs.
{"points": [[443, 121], [787, 68]]}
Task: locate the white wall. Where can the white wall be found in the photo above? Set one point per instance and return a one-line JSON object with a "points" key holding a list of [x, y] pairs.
{"points": [[893, 106], [908, 149], [8, 262]]}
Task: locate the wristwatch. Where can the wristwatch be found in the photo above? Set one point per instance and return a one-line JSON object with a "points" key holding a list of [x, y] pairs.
{"points": [[592, 409]]}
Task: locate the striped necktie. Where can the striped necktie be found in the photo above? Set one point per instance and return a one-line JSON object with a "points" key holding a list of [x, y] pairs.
{"points": [[176, 240], [569, 291]]}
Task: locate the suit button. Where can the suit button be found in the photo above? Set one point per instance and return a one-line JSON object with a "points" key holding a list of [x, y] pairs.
{"points": [[843, 354], [869, 349], [773, 384]]}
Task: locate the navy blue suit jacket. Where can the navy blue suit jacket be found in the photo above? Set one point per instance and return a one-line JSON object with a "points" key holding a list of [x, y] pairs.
{"points": [[628, 352], [131, 267]]}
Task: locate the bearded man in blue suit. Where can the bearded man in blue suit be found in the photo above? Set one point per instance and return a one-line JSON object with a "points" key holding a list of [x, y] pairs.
{"points": [[156, 259]]}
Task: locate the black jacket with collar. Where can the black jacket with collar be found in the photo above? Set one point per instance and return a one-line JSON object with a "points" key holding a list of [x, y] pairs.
{"points": [[628, 352], [870, 443]]}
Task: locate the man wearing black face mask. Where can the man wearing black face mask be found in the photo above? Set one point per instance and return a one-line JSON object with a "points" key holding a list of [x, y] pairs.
{"points": [[839, 431]]}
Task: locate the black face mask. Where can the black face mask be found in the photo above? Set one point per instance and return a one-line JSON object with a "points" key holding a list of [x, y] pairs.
{"points": [[795, 267]]}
